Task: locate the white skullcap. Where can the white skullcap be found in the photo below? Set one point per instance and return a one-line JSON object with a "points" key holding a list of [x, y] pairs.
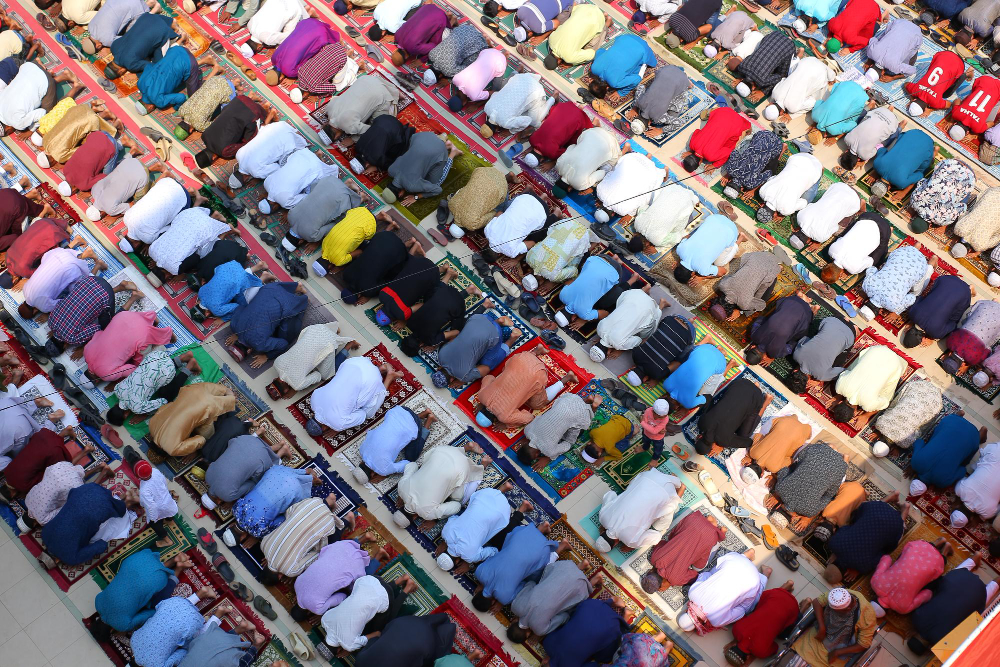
{"points": [[530, 160], [264, 207], [957, 132], [872, 74], [589, 459], [319, 269], [429, 78], [456, 231], [602, 545], [914, 109], [43, 161], [93, 213], [207, 502], [64, 189], [710, 51], [838, 598], [445, 562], [287, 245], [743, 89], [125, 246], [356, 166], [637, 126], [520, 34], [228, 538], [661, 407], [597, 354], [234, 182], [561, 319], [917, 488], [36, 139], [880, 449], [324, 137], [633, 378], [771, 112], [400, 519], [296, 95], [993, 279], [799, 25], [685, 622], [360, 475], [866, 313], [530, 282], [601, 215], [980, 379], [749, 476], [246, 50], [959, 520], [959, 250]]}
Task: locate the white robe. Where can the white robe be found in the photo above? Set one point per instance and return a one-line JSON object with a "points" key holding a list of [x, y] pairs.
{"points": [[821, 219], [275, 20], [783, 193], [353, 395], [729, 590], [434, 489], [628, 185], [642, 513], [802, 88], [291, 182], [264, 154], [580, 166]]}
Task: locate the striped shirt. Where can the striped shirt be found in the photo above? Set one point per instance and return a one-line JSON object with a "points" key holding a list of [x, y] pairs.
{"points": [[672, 338], [296, 543]]}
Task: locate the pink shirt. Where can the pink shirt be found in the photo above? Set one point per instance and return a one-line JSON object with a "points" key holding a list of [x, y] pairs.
{"points": [[653, 425], [900, 585], [116, 351], [472, 80]]}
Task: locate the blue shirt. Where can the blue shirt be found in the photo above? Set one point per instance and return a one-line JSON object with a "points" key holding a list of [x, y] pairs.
{"points": [[219, 294], [699, 251], [122, 605], [525, 553], [383, 443], [143, 42], [263, 509], [940, 310], [590, 636], [618, 63], [840, 112], [467, 533], [160, 82], [941, 460], [67, 537], [905, 162], [162, 640], [684, 383], [596, 277]]}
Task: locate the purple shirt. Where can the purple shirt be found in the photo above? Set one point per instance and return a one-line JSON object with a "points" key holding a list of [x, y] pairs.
{"points": [[308, 37], [322, 585], [59, 269], [422, 31]]}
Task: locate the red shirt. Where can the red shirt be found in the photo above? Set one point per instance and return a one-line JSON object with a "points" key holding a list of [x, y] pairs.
{"points": [[975, 110], [27, 249], [560, 130], [945, 69], [14, 208], [86, 167], [687, 549], [714, 142], [855, 26], [755, 633], [45, 448]]}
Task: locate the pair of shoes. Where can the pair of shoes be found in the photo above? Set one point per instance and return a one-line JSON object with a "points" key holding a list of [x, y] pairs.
{"points": [[409, 81]]}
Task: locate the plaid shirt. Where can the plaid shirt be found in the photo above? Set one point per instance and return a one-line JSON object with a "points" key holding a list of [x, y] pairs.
{"points": [[316, 74], [77, 317], [769, 62]]}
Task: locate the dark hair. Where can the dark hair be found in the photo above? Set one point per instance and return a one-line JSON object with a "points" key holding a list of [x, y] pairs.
{"points": [[299, 614], [526, 455], [963, 36], [269, 578], [682, 274], [592, 451], [516, 633], [797, 382], [26, 311], [848, 160], [651, 581], [410, 346], [204, 158], [481, 603], [598, 88], [913, 337], [691, 163], [916, 646], [375, 33], [491, 8], [842, 412], [636, 244], [995, 547], [115, 416], [100, 630], [753, 355]]}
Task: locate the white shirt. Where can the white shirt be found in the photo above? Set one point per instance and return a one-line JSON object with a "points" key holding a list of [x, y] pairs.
{"points": [[262, 155], [155, 498], [435, 489], [729, 590], [59, 268], [580, 165], [820, 219], [276, 20], [627, 187], [663, 221], [193, 230], [487, 514], [149, 216], [391, 14], [292, 181], [748, 45], [643, 512], [521, 102], [634, 319], [803, 86], [783, 193], [507, 231], [345, 623], [852, 251], [21, 100], [980, 491], [353, 395]]}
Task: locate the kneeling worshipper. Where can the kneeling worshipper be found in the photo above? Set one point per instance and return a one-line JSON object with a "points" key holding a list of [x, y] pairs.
{"points": [[724, 594], [755, 635], [980, 491], [307, 38], [154, 383], [916, 405], [268, 322], [936, 314], [44, 448], [874, 531], [809, 482], [609, 440], [422, 31], [190, 237], [274, 23], [234, 126], [401, 431], [941, 459], [111, 21], [293, 546], [477, 349], [569, 42], [350, 112], [414, 282], [804, 86], [778, 440], [620, 65], [351, 397], [87, 308], [31, 94], [363, 615], [840, 112], [331, 203], [183, 425], [821, 219], [660, 102], [877, 126], [141, 45], [562, 128], [420, 171], [677, 559], [556, 259], [160, 83], [525, 552], [728, 34], [263, 508], [381, 144], [117, 350], [897, 283], [146, 219], [863, 244], [479, 530], [200, 108], [58, 270], [661, 220], [658, 355], [766, 65], [238, 469], [968, 345], [948, 73], [438, 487], [955, 596], [943, 197], [128, 182], [820, 356], [543, 606], [516, 229], [48, 496], [848, 624], [905, 160], [715, 140], [591, 635], [440, 317], [520, 104], [63, 140], [475, 202], [708, 249], [635, 318], [17, 211], [26, 251], [477, 80], [977, 112], [691, 21], [89, 519], [978, 229], [324, 583], [315, 357], [641, 514], [894, 50], [688, 382], [628, 185], [538, 17], [410, 640], [731, 418], [580, 165], [382, 258], [216, 647], [776, 335], [752, 163], [748, 288], [510, 399], [265, 153], [791, 190], [457, 50], [292, 181], [854, 26], [220, 295], [900, 585]]}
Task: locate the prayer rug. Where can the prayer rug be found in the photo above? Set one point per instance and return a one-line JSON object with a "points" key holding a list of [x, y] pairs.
{"points": [[980, 265], [692, 295], [248, 404], [682, 654], [693, 53], [738, 331], [697, 99], [938, 504], [275, 651], [399, 391], [692, 429], [557, 363], [824, 397], [461, 170], [987, 393], [443, 431], [472, 635], [782, 368]]}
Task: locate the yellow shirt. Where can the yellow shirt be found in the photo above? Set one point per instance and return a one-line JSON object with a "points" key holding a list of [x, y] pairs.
{"points": [[11, 44], [607, 435], [357, 227], [568, 40], [50, 119]]}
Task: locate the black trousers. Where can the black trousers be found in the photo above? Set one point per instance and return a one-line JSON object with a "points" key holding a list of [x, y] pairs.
{"points": [[396, 600], [497, 540]]}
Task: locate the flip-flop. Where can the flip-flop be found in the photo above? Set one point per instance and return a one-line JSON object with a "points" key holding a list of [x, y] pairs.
{"points": [[824, 289], [220, 563], [532, 302], [847, 306], [803, 272], [739, 512], [375, 53], [106, 84], [766, 236], [544, 324], [482, 267], [727, 210], [200, 513], [188, 160], [111, 435], [264, 607], [552, 339], [680, 452], [299, 646], [788, 557], [46, 22], [207, 542], [352, 32], [437, 236], [690, 467], [770, 537], [242, 591]]}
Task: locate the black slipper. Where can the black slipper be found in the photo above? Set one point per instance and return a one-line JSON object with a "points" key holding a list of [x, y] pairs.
{"points": [[264, 607], [788, 557], [270, 239], [58, 376], [220, 563], [207, 542]]}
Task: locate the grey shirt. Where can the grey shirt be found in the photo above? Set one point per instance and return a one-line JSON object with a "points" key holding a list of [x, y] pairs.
{"points": [[113, 192], [877, 126], [669, 82], [420, 168], [745, 286], [237, 471], [555, 431], [980, 15], [322, 208], [215, 648], [368, 97], [545, 606], [729, 34], [459, 356], [816, 355], [114, 18]]}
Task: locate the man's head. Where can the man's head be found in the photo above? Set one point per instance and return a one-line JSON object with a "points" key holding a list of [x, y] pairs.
{"points": [[398, 57], [527, 455], [591, 453], [842, 412], [410, 346], [963, 37], [682, 274], [375, 33], [848, 160], [831, 273], [115, 416], [691, 162], [753, 355], [491, 8], [598, 88], [517, 634], [299, 614], [27, 312], [913, 337], [798, 382], [481, 603], [204, 158], [995, 547], [638, 244]]}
